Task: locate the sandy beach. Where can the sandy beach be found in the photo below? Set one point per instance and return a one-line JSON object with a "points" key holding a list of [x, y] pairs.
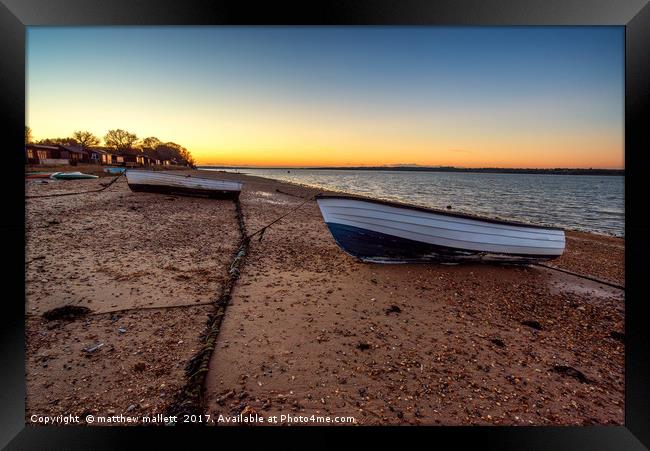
{"points": [[309, 329]]}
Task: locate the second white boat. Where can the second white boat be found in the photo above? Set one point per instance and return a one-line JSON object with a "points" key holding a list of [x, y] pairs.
{"points": [[183, 184]]}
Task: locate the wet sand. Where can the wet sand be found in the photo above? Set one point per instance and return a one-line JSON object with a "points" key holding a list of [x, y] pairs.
{"points": [[310, 330]]}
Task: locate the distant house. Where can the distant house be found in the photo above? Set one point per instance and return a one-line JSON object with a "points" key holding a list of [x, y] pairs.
{"points": [[146, 159], [132, 157], [157, 158], [76, 154], [152, 155], [127, 157], [109, 158], [97, 155], [53, 155], [105, 155], [41, 154]]}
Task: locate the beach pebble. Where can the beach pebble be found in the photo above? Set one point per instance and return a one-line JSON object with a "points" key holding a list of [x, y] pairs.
{"points": [[92, 349], [248, 410]]}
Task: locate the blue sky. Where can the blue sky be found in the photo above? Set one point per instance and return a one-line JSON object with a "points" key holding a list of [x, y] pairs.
{"points": [[507, 96]]}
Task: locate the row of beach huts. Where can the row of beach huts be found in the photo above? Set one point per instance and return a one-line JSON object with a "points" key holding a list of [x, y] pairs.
{"points": [[65, 154]]}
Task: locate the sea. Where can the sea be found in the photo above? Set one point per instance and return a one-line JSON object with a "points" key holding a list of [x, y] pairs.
{"points": [[588, 203]]}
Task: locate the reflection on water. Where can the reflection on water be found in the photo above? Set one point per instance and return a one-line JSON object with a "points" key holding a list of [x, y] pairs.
{"points": [[578, 202]]}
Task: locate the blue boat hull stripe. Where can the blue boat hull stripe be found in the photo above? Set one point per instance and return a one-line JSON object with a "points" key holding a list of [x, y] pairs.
{"points": [[369, 245]]}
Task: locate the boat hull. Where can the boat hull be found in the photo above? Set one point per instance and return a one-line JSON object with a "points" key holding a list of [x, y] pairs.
{"points": [[72, 176], [156, 182], [38, 175], [114, 171], [393, 233], [183, 191]]}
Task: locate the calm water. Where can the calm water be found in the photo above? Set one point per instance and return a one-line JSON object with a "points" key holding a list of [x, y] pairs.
{"points": [[588, 203]]}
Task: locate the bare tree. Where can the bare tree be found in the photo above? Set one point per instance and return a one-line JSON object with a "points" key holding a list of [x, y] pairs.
{"points": [[85, 139], [120, 139], [28, 135], [187, 156], [151, 142], [69, 141], [173, 150]]}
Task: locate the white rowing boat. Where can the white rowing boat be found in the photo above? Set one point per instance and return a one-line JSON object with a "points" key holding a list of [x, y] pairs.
{"points": [[390, 232], [184, 184]]}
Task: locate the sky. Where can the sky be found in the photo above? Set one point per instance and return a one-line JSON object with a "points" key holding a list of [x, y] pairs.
{"points": [[340, 96]]}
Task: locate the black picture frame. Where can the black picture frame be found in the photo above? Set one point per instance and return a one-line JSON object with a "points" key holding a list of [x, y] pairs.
{"points": [[634, 15]]}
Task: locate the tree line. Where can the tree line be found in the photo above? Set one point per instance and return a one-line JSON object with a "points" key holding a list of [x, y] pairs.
{"points": [[121, 141]]}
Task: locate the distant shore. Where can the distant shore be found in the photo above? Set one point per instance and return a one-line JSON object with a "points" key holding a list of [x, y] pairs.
{"points": [[556, 171]]}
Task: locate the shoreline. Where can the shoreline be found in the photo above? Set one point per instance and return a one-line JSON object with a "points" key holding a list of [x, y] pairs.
{"points": [[308, 330]]}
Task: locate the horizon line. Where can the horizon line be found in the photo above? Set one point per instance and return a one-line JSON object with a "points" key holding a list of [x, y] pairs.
{"points": [[403, 167]]}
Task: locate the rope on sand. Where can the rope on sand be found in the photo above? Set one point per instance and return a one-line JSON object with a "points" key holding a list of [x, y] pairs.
{"points": [[582, 276], [190, 400], [263, 229], [79, 192]]}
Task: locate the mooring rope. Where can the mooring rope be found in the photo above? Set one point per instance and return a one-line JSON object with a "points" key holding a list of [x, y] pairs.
{"points": [[263, 229], [79, 192], [190, 399], [582, 276]]}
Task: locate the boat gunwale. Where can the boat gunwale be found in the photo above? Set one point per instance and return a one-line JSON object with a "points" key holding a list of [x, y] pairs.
{"points": [[435, 211], [513, 228]]}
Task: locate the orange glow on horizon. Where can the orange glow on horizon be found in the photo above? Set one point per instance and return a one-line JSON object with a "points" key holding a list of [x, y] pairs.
{"points": [[303, 138], [596, 153]]}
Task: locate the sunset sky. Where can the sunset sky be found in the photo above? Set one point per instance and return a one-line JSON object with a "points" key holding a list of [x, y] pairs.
{"points": [[336, 96]]}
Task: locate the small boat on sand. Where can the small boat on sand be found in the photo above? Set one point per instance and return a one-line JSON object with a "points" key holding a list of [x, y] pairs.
{"points": [[114, 171], [390, 232], [38, 175], [72, 176], [183, 184]]}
